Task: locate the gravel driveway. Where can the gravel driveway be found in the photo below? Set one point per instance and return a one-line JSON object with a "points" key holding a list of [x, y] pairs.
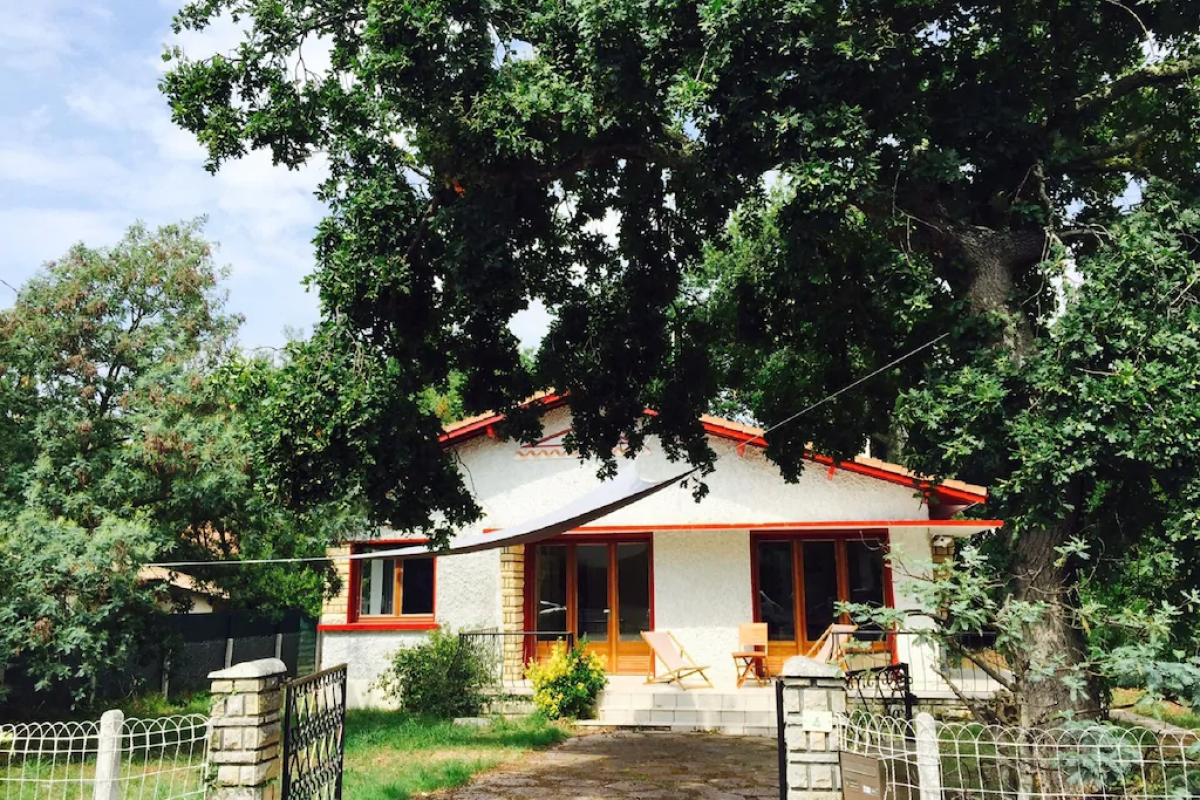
{"points": [[637, 766]]}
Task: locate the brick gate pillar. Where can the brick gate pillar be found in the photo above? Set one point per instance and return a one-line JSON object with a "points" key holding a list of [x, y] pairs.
{"points": [[512, 610], [244, 750], [814, 696]]}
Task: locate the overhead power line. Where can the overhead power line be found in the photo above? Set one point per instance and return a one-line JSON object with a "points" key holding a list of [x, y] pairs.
{"points": [[362, 556]]}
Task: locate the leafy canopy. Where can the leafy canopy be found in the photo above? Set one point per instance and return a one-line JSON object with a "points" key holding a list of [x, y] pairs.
{"points": [[480, 152], [122, 444], [936, 166]]}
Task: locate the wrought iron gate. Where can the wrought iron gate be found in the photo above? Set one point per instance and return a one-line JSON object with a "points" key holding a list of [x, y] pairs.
{"points": [[314, 735], [886, 690]]}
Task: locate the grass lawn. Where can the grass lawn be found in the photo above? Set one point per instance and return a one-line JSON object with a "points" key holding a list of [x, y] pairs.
{"points": [[390, 756], [1173, 713]]}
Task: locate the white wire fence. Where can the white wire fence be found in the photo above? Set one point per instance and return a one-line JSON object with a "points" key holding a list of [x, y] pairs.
{"points": [[930, 759], [108, 759]]}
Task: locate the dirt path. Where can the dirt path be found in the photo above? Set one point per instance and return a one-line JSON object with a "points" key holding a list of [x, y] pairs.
{"points": [[637, 766]]}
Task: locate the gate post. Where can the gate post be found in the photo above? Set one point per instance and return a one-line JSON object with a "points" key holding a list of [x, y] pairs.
{"points": [[244, 748], [106, 785], [813, 698]]}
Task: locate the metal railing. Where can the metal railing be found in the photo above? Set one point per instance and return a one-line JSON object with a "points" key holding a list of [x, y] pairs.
{"points": [[112, 758], [935, 671], [929, 758], [884, 690], [508, 652]]}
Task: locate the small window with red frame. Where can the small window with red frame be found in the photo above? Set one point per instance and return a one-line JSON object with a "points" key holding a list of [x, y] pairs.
{"points": [[396, 588]]}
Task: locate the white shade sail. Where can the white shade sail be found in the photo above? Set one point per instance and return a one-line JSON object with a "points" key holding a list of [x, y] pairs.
{"points": [[627, 487]]}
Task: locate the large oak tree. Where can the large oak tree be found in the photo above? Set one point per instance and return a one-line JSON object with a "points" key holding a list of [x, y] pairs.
{"points": [[938, 165]]}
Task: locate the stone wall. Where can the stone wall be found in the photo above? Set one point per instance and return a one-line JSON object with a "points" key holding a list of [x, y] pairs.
{"points": [[814, 697], [335, 608]]}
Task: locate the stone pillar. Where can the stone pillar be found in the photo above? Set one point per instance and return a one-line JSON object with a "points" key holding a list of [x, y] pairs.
{"points": [[512, 610], [245, 750], [814, 697]]}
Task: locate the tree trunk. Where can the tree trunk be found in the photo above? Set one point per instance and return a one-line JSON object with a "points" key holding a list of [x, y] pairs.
{"points": [[1055, 643]]}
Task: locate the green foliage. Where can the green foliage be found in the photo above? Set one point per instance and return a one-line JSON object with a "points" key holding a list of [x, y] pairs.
{"points": [[392, 756], [938, 168], [119, 411], [72, 609], [153, 704], [566, 685], [442, 677]]}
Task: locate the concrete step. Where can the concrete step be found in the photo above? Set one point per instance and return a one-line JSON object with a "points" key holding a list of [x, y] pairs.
{"points": [[658, 716], [697, 700], [743, 712]]}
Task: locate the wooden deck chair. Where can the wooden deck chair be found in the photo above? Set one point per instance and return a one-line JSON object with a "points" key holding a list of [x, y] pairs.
{"points": [[831, 647], [679, 665], [750, 660]]}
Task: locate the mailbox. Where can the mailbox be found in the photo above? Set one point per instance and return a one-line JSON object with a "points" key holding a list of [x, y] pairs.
{"points": [[871, 778]]}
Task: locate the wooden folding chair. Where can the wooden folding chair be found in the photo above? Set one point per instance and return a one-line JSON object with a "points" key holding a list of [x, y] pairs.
{"points": [[679, 665], [750, 660], [831, 647]]}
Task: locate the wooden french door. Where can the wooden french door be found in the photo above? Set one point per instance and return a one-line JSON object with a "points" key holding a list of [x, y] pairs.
{"points": [[799, 580], [600, 591]]}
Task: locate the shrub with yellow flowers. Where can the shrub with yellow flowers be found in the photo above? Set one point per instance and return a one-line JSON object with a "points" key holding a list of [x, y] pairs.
{"points": [[567, 684]]}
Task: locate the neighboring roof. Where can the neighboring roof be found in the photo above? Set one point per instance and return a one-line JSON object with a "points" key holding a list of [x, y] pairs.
{"points": [[179, 580], [948, 491]]}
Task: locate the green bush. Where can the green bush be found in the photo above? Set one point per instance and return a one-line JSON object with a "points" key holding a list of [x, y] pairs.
{"points": [[442, 677], [568, 683]]}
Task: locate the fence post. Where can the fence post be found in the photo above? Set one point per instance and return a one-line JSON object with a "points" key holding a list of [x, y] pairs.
{"points": [[814, 696], [244, 749], [929, 771], [106, 785]]}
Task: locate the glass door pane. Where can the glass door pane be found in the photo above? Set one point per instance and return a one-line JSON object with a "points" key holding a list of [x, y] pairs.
{"points": [[633, 590], [551, 598], [820, 588], [776, 590], [591, 576], [864, 563]]}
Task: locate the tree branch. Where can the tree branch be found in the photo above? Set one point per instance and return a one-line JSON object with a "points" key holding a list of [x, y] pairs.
{"points": [[1117, 147], [988, 670], [977, 709], [1153, 75]]}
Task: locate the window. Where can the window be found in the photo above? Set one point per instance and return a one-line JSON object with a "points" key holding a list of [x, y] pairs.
{"points": [[800, 580], [394, 587]]}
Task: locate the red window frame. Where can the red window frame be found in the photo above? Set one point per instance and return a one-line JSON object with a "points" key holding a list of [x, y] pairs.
{"points": [[356, 621]]}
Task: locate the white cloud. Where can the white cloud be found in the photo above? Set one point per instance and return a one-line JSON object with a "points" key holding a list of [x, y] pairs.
{"points": [[90, 148], [39, 35]]}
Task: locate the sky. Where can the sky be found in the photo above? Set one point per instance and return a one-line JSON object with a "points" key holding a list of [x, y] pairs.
{"points": [[87, 147]]}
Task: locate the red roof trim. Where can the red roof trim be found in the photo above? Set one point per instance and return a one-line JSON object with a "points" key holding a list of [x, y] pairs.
{"points": [[942, 493], [469, 429], [853, 526], [382, 627]]}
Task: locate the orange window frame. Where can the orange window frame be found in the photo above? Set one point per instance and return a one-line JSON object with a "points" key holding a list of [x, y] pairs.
{"points": [[354, 607], [842, 565]]}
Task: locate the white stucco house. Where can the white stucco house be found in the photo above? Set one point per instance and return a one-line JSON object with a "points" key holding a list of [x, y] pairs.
{"points": [[755, 549]]}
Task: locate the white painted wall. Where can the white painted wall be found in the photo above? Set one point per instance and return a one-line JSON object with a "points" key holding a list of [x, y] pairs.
{"points": [[467, 597], [366, 655], [745, 489], [702, 577], [702, 593]]}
